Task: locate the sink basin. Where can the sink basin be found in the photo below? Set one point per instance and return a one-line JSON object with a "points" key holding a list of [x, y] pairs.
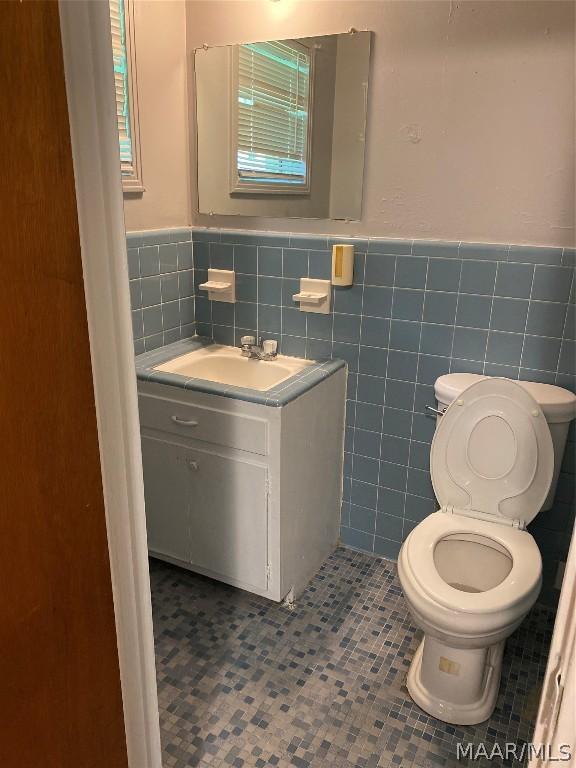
{"points": [[226, 365]]}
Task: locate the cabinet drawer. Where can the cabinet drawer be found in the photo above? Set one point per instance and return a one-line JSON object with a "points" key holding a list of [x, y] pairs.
{"points": [[192, 421]]}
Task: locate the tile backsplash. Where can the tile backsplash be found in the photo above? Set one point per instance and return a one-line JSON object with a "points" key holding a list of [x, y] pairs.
{"points": [[417, 309], [161, 287]]}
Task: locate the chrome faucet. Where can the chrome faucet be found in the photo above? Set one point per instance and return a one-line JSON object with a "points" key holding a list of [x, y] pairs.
{"points": [[249, 347], [258, 349]]}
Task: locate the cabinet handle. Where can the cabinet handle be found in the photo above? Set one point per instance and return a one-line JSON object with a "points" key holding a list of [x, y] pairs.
{"points": [[184, 422], [194, 466]]}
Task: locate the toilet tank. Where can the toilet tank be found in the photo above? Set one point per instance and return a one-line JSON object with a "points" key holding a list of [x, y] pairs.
{"points": [[558, 406]]}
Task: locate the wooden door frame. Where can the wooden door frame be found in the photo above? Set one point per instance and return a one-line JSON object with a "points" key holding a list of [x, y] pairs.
{"points": [[89, 85], [86, 44]]}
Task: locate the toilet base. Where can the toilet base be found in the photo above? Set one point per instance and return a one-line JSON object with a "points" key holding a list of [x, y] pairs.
{"points": [[455, 685]]}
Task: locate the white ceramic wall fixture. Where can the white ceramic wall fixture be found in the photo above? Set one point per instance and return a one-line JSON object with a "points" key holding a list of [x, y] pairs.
{"points": [[314, 296], [221, 285]]}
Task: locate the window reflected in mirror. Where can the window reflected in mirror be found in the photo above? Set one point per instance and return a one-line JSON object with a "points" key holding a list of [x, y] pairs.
{"points": [[271, 131]]}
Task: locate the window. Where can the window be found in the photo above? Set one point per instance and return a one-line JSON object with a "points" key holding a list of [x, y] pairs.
{"points": [[271, 121], [123, 50]]}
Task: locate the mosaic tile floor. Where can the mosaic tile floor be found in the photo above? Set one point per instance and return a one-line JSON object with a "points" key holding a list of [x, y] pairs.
{"points": [[245, 682]]}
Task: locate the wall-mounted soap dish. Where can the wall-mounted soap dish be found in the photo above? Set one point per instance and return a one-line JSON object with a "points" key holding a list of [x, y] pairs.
{"points": [[314, 296], [221, 285]]}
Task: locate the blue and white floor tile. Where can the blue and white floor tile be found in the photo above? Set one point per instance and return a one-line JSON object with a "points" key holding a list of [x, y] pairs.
{"points": [[245, 682]]}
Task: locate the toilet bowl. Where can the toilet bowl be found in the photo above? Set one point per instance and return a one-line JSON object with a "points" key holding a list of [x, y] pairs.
{"points": [[471, 572], [468, 587]]}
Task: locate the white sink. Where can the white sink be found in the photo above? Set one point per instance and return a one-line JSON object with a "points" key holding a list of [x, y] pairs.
{"points": [[226, 365]]}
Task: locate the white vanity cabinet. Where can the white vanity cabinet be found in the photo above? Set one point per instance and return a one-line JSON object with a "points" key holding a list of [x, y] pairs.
{"points": [[228, 511], [245, 493], [167, 490], [192, 515]]}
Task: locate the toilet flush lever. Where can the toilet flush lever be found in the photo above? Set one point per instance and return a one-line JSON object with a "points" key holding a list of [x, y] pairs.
{"points": [[437, 411]]}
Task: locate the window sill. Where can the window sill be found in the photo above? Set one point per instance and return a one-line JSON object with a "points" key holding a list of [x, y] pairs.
{"points": [[135, 189]]}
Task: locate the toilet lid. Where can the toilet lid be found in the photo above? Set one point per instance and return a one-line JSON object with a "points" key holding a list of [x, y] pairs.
{"points": [[492, 452]]}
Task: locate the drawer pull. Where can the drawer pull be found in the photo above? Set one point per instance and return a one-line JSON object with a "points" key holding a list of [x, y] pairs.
{"points": [[194, 466], [184, 422]]}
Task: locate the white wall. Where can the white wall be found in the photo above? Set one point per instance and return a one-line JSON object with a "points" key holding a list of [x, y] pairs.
{"points": [[160, 27], [471, 115]]}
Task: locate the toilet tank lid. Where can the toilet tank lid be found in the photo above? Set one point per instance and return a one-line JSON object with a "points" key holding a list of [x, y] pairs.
{"points": [[558, 404]]}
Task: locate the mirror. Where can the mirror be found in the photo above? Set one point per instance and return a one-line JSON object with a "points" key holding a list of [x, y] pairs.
{"points": [[281, 127]]}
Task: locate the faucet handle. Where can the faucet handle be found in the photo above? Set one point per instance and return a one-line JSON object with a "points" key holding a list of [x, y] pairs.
{"points": [[247, 341], [270, 347]]}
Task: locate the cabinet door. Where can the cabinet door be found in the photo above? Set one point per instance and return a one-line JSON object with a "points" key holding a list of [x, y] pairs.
{"points": [[229, 518], [167, 493]]}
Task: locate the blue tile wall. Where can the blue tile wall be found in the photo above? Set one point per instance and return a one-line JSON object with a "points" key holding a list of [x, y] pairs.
{"points": [[161, 278], [416, 310]]}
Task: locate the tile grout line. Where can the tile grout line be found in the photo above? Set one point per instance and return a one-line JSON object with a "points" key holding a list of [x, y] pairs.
{"points": [[383, 415], [490, 317], [526, 324], [456, 311], [352, 478], [563, 338], [414, 397], [234, 305]]}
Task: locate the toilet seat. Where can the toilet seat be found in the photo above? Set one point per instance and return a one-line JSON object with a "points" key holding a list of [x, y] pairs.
{"points": [[524, 575], [492, 454]]}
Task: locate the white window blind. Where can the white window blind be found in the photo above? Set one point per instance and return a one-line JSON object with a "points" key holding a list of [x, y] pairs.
{"points": [[118, 29], [273, 114], [126, 99]]}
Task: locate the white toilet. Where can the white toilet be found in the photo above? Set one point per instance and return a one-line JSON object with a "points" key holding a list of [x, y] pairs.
{"points": [[470, 572]]}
